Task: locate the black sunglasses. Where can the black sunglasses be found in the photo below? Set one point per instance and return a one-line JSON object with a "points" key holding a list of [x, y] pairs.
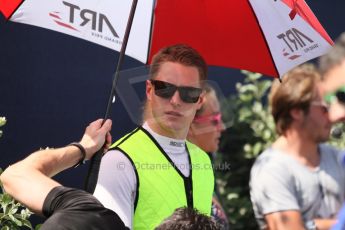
{"points": [[167, 90], [340, 96]]}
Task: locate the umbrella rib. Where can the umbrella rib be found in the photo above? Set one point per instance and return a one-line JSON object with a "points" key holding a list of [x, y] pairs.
{"points": [[151, 32], [263, 34], [92, 176], [121, 57]]}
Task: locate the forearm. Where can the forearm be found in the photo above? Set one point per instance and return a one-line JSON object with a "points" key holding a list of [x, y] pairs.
{"points": [[27, 181], [53, 161], [283, 226], [285, 220]]}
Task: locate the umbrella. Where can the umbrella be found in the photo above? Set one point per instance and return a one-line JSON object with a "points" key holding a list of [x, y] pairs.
{"points": [[265, 36]]}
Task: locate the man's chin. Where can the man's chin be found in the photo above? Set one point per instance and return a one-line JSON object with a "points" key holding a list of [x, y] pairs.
{"points": [[324, 139], [175, 128]]}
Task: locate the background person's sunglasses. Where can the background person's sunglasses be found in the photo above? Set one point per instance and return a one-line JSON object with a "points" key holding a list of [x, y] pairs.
{"points": [[215, 119], [167, 90], [339, 94]]}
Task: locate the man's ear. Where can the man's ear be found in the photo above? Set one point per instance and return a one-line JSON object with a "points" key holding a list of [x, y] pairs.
{"points": [[149, 90], [297, 114]]}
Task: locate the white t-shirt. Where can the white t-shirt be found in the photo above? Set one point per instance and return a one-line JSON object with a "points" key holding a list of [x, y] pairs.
{"points": [[116, 184], [280, 183]]}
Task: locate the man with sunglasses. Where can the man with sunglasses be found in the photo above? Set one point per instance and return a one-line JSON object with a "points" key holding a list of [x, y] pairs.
{"points": [[332, 67], [153, 170], [298, 183]]}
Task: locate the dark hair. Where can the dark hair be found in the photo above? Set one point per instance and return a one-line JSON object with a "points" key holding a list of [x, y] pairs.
{"points": [[296, 90], [334, 57], [188, 219], [182, 54]]}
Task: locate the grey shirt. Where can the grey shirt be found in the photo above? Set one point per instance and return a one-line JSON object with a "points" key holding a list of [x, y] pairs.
{"points": [[280, 183]]}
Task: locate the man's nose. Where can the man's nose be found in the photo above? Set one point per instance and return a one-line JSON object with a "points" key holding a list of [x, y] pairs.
{"points": [[176, 99], [221, 126]]}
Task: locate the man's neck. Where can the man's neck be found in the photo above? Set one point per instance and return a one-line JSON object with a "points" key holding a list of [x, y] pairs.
{"points": [[169, 145], [164, 132], [301, 148]]}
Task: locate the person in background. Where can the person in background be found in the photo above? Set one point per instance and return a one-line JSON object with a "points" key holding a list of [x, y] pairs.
{"points": [[147, 174], [188, 219], [332, 68], [205, 132], [207, 126], [298, 182], [29, 182]]}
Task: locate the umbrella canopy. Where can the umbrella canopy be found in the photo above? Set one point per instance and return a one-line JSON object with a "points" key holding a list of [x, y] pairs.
{"points": [[265, 36]]}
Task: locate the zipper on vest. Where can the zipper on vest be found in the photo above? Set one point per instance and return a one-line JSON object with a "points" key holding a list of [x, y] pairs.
{"points": [[189, 191]]}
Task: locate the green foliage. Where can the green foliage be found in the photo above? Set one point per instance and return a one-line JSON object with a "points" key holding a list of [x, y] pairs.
{"points": [[12, 214], [251, 132], [340, 142], [2, 123]]}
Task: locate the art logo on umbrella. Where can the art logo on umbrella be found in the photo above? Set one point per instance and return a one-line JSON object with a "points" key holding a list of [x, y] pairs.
{"points": [[87, 19], [79, 17], [296, 42], [57, 19]]}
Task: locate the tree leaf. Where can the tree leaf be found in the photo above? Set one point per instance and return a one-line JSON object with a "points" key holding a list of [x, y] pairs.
{"points": [[2, 121]]}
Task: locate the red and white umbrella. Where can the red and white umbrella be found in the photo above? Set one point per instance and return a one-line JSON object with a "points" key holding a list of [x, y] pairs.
{"points": [[265, 36]]}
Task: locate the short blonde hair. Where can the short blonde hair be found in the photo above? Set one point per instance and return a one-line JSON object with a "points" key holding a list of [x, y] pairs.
{"points": [[182, 54]]}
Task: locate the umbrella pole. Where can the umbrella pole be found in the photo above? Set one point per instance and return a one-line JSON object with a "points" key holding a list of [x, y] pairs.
{"points": [[92, 175]]}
